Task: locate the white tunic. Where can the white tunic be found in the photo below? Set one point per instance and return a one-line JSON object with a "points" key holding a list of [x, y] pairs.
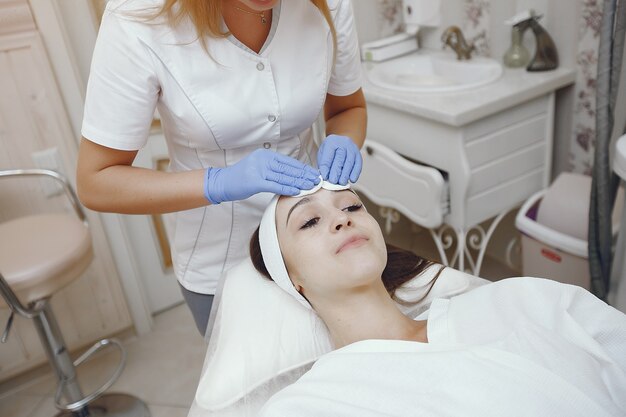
{"points": [[517, 347], [217, 109]]}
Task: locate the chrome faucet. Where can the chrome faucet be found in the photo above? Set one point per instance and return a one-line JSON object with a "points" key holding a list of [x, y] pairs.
{"points": [[453, 37]]}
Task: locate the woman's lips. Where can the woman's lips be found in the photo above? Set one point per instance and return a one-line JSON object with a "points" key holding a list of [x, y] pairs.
{"points": [[352, 242]]}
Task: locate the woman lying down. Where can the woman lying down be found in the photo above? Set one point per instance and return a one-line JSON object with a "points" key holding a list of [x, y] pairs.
{"points": [[517, 347]]}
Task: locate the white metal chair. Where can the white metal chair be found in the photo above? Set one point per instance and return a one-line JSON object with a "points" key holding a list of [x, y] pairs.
{"points": [[39, 255]]}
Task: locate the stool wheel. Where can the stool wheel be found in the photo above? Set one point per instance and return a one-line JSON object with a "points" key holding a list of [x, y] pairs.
{"points": [[111, 405]]}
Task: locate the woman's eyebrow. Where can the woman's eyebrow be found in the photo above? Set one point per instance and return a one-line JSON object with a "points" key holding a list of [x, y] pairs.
{"points": [[307, 200], [303, 201]]}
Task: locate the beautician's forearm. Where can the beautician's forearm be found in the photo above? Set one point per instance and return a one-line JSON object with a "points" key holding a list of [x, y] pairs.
{"points": [[351, 122], [107, 181], [132, 190]]}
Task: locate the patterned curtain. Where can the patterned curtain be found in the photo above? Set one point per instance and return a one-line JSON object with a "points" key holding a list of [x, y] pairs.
{"points": [[605, 182], [584, 128]]}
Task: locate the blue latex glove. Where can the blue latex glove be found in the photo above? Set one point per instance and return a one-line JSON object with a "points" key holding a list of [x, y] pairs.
{"points": [[339, 160], [261, 171]]}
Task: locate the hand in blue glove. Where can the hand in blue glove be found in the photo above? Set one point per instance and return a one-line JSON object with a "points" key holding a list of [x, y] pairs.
{"points": [[339, 160], [261, 171]]}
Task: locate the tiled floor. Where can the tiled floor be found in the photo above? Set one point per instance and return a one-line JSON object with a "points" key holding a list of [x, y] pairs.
{"points": [[162, 368]]}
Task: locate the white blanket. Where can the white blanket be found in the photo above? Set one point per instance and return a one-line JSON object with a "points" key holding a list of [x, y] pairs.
{"points": [[518, 347]]}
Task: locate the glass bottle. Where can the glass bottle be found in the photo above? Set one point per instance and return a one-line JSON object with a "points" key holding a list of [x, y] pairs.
{"points": [[517, 55]]}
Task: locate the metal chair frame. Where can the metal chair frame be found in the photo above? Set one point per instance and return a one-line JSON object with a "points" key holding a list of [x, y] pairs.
{"points": [[48, 329]]}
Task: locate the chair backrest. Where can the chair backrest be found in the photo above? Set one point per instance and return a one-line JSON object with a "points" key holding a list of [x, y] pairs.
{"points": [[67, 188], [65, 227]]}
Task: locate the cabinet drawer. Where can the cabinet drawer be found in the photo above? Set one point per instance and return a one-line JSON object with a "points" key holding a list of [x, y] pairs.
{"points": [[417, 191], [509, 116], [503, 142], [483, 206], [507, 168]]}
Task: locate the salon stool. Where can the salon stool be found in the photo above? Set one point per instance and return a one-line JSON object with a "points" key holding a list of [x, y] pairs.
{"points": [[617, 295], [40, 255]]}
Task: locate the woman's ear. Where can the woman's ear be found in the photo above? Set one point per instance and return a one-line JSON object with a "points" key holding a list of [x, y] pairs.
{"points": [[294, 279], [296, 283]]}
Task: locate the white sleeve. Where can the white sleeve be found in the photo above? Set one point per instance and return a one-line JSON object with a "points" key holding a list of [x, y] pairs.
{"points": [[123, 88], [346, 75]]}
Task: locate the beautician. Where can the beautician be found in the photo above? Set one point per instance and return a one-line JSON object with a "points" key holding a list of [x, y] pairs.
{"points": [[238, 85]]}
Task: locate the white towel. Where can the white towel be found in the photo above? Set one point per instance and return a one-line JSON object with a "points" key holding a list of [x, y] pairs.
{"points": [[518, 347]]}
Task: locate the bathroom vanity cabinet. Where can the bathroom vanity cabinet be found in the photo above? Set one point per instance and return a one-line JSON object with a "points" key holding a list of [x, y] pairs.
{"points": [[492, 147]]}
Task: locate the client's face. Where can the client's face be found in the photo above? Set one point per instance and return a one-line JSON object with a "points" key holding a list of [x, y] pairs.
{"points": [[329, 242]]}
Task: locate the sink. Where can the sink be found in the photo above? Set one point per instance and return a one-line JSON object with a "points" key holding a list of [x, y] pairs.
{"points": [[433, 72]]}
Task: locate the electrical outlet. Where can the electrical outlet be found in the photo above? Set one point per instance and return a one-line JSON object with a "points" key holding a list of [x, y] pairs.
{"points": [[49, 159]]}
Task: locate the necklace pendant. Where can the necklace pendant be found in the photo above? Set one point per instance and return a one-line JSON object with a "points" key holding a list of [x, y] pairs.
{"points": [[263, 20]]}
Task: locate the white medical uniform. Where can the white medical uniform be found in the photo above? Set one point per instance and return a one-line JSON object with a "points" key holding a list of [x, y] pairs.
{"points": [[217, 109]]}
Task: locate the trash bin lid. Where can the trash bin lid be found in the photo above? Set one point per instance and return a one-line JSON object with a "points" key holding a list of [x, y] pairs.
{"points": [[619, 163], [565, 205]]}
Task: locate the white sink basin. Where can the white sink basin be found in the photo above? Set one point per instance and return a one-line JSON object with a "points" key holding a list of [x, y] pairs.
{"points": [[433, 72]]}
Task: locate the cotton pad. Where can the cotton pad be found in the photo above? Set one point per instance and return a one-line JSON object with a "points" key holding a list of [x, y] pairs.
{"points": [[325, 185]]}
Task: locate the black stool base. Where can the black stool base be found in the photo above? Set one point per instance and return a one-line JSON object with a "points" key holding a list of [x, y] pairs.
{"points": [[111, 405]]}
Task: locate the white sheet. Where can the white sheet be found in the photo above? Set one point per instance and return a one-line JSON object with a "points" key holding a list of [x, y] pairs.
{"points": [[518, 347], [260, 332]]}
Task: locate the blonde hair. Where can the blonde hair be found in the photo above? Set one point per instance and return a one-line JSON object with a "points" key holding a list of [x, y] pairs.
{"points": [[206, 16]]}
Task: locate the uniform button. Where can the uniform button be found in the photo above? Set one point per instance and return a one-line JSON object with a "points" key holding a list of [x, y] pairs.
{"points": [[267, 145], [271, 118], [260, 66]]}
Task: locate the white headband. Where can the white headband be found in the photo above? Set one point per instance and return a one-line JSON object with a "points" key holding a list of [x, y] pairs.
{"points": [[270, 248]]}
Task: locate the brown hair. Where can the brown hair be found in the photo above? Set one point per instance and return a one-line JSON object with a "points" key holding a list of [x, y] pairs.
{"points": [[402, 266], [206, 16]]}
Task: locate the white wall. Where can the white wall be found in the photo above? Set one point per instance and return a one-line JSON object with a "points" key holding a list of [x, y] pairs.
{"points": [[81, 32], [367, 17]]}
